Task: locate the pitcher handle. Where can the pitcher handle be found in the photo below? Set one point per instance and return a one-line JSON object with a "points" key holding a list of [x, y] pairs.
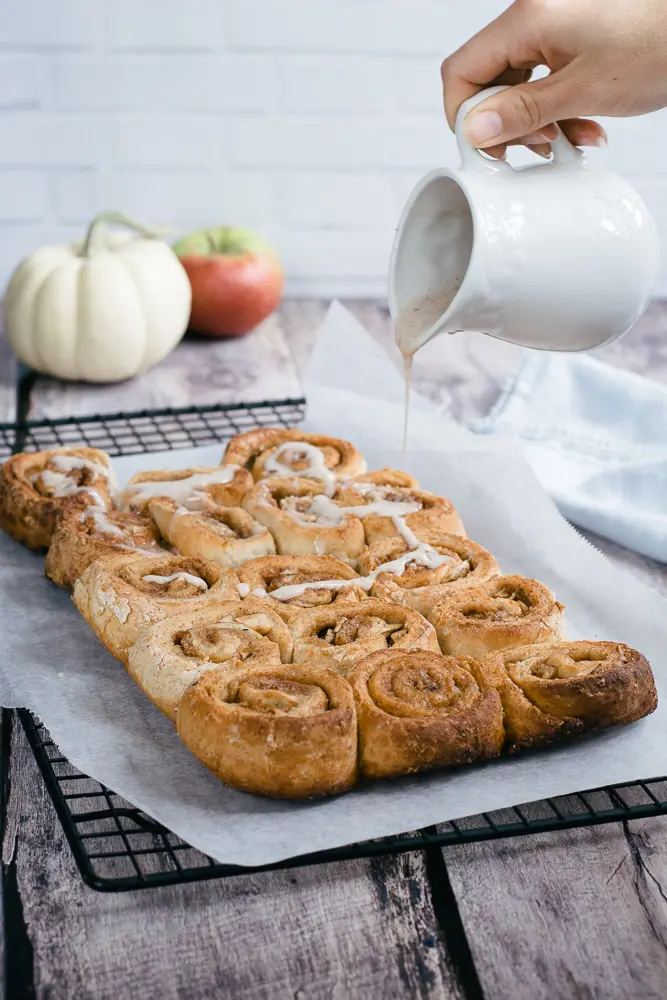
{"points": [[564, 153]]}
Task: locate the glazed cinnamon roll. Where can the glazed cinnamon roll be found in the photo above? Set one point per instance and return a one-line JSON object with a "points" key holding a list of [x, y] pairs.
{"points": [[226, 635], [228, 536], [304, 520], [277, 452], [121, 596], [284, 732], [507, 611], [82, 536], [397, 511], [423, 575], [36, 487], [418, 710], [192, 489], [551, 692], [292, 583], [340, 634]]}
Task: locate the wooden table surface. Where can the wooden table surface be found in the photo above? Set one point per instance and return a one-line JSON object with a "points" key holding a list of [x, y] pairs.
{"points": [[580, 914]]}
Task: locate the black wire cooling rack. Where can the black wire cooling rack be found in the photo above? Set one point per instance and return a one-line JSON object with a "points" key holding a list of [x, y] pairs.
{"points": [[118, 847]]}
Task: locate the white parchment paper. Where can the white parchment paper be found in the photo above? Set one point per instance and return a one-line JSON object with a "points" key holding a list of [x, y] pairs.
{"points": [[52, 663]]}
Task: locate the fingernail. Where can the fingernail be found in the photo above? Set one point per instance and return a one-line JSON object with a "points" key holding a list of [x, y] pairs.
{"points": [[483, 127], [601, 141]]}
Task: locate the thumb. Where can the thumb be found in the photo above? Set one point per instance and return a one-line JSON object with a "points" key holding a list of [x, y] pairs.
{"points": [[523, 109]]}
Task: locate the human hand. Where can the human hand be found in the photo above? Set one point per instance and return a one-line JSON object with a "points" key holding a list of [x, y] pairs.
{"points": [[606, 57]]}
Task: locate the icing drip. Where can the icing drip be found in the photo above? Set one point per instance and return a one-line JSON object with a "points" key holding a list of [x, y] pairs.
{"points": [[189, 493], [316, 468], [68, 463], [420, 553], [194, 581], [323, 510], [98, 515], [243, 589], [63, 486]]}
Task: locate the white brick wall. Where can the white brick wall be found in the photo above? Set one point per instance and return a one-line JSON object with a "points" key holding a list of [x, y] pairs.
{"points": [[308, 119]]}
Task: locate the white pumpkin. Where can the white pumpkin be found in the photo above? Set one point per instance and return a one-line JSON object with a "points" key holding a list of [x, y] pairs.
{"points": [[101, 310]]}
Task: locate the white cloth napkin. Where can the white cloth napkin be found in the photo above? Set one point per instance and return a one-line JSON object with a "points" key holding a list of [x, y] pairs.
{"points": [[596, 438]]}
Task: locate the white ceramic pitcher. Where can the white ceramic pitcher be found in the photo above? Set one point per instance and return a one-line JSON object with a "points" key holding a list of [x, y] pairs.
{"points": [[559, 255]]}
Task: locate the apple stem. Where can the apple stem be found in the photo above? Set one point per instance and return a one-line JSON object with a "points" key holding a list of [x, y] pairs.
{"points": [[102, 220]]}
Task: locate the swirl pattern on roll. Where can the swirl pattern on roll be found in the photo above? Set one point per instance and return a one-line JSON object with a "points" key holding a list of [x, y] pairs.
{"points": [[284, 732], [36, 487], [417, 710], [278, 452], [82, 536], [338, 635], [121, 596], [422, 579], [228, 536], [417, 509], [291, 582], [226, 635], [550, 692], [506, 611], [304, 520], [192, 489]]}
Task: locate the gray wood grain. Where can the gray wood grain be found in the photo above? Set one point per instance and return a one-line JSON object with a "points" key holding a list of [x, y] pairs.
{"points": [[571, 916], [336, 932], [199, 371]]}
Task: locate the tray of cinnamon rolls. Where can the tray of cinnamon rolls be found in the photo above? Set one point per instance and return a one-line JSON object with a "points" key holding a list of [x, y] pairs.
{"points": [[308, 624]]}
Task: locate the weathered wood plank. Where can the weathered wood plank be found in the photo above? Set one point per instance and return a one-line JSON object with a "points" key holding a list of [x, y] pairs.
{"points": [[199, 371], [336, 932], [573, 916]]}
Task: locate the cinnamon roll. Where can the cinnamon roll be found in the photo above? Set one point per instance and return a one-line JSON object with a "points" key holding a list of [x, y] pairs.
{"points": [[228, 536], [397, 511], [551, 692], [292, 583], [277, 452], [418, 710], [507, 611], [224, 635], [284, 732], [82, 536], [35, 487], [340, 634], [421, 576], [304, 520], [192, 489], [121, 596]]}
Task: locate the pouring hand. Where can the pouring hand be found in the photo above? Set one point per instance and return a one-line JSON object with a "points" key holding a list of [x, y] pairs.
{"points": [[606, 57]]}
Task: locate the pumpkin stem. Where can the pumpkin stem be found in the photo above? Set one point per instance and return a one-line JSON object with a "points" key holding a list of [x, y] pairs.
{"points": [[104, 218]]}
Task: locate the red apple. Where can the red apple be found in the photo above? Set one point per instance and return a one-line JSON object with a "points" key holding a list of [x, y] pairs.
{"points": [[237, 280]]}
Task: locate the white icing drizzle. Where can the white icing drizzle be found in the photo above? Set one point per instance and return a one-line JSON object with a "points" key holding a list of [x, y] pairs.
{"points": [[316, 468], [102, 523], [324, 511], [68, 463], [243, 589], [189, 493], [104, 526], [195, 581], [419, 553], [63, 486]]}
